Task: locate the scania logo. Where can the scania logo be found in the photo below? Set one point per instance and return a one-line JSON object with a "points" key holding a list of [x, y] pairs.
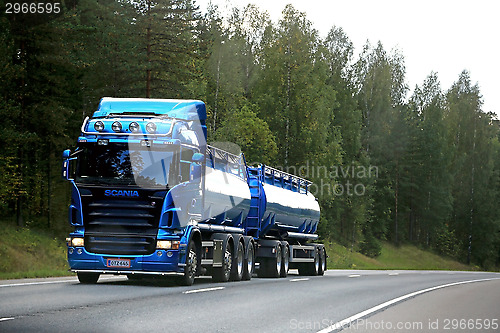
{"points": [[121, 193]]}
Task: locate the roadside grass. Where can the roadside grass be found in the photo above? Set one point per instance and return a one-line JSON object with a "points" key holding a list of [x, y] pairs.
{"points": [[404, 257], [27, 253], [31, 253]]}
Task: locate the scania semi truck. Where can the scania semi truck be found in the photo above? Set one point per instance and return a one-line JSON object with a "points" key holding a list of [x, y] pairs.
{"points": [[149, 196]]}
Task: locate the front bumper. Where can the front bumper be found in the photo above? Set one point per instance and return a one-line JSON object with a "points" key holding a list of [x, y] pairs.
{"points": [[161, 262], [121, 272]]}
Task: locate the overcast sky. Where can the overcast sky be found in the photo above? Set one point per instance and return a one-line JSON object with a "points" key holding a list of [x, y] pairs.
{"points": [[443, 36]]}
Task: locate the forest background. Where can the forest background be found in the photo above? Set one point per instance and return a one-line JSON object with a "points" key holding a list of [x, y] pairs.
{"points": [[389, 163]]}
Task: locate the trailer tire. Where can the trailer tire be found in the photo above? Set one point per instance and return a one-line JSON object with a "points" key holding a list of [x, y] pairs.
{"points": [[322, 261], [191, 266], [311, 268], [238, 262], [88, 277], [249, 262], [285, 262], [273, 266], [222, 274]]}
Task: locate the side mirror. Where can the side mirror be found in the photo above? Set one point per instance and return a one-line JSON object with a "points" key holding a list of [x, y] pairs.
{"points": [[195, 170], [65, 166], [197, 158]]}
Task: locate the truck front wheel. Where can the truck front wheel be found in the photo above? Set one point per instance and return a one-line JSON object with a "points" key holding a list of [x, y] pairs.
{"points": [[191, 266], [88, 278]]}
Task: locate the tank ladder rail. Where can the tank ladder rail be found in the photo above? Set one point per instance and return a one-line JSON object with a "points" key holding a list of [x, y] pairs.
{"points": [[253, 221], [234, 164], [285, 179]]}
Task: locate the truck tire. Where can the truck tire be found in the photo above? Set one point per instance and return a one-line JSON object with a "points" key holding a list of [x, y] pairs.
{"points": [[322, 261], [249, 263], [238, 261], [87, 277], [311, 268], [285, 259], [222, 274], [273, 265], [191, 267]]}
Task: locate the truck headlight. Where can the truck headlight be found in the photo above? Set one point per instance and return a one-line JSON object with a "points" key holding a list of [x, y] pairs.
{"points": [[151, 128], [134, 127], [116, 126], [167, 245], [77, 242], [99, 126]]}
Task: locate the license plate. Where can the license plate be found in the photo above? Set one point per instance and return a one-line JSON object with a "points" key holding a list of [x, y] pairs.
{"points": [[118, 263]]}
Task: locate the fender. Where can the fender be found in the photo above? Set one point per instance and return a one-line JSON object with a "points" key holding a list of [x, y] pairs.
{"points": [[190, 232]]}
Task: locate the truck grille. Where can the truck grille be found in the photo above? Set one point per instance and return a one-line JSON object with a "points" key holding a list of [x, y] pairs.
{"points": [[121, 226]]}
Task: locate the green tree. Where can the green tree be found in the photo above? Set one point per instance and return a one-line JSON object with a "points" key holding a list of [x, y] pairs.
{"points": [[251, 133], [168, 33], [472, 138], [430, 196], [380, 90], [292, 92]]}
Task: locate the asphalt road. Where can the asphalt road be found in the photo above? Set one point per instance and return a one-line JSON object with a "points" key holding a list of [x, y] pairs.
{"points": [[294, 304]]}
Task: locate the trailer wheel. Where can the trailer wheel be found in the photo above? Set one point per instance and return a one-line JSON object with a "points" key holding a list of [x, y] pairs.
{"points": [[88, 278], [273, 266], [191, 266], [238, 262], [222, 274], [285, 260], [322, 261], [311, 268], [249, 263]]}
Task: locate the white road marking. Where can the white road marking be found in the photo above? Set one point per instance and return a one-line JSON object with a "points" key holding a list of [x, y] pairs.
{"points": [[354, 275], [51, 282], [299, 279], [202, 290], [347, 322], [5, 319], [34, 283], [393, 274]]}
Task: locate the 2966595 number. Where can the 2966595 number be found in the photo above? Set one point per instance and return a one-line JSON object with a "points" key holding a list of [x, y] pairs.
{"points": [[33, 8], [471, 324]]}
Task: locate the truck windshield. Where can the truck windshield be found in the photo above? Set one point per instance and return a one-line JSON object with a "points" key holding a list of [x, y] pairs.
{"points": [[124, 164]]}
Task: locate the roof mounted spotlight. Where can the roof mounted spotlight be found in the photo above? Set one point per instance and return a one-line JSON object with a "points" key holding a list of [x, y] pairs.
{"points": [[99, 126], [151, 128], [134, 127], [116, 126]]}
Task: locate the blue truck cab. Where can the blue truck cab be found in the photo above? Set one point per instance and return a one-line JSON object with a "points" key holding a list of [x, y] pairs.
{"points": [[150, 197]]}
